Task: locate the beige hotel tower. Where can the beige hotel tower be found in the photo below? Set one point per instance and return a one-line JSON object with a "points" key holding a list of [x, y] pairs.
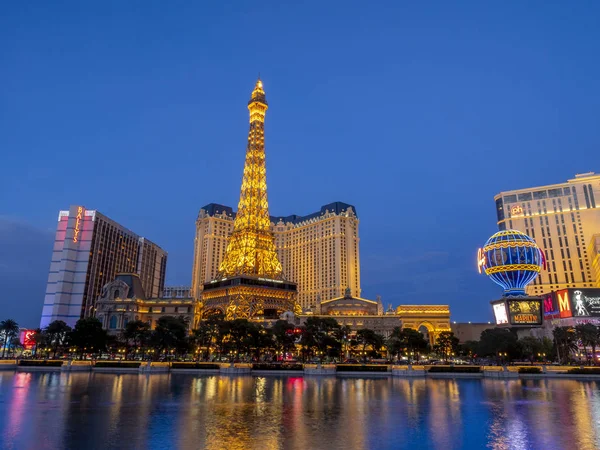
{"points": [[319, 252], [564, 220]]}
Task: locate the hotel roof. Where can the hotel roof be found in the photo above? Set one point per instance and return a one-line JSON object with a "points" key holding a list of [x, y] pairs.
{"points": [[335, 207]]}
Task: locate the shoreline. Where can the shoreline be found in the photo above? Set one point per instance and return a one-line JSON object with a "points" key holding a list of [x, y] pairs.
{"points": [[309, 370]]}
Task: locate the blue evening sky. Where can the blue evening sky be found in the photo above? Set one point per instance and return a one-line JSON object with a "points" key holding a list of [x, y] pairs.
{"points": [[417, 113]]}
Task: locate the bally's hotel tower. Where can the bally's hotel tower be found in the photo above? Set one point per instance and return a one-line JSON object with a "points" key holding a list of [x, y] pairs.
{"points": [[89, 250]]}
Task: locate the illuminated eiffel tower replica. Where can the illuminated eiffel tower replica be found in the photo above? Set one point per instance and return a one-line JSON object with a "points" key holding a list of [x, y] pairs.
{"points": [[250, 283]]}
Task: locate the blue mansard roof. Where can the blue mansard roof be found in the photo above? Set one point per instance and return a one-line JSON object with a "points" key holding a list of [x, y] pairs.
{"points": [[336, 207]]}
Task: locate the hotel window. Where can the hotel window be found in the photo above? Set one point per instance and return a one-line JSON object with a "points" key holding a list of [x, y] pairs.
{"points": [[555, 192], [499, 209], [576, 200], [585, 194]]}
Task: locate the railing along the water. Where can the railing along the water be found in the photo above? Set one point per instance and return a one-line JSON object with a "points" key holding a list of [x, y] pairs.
{"points": [[263, 368], [8, 361]]}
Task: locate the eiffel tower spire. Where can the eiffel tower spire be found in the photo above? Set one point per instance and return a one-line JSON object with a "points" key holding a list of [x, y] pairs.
{"points": [[250, 284], [250, 248]]}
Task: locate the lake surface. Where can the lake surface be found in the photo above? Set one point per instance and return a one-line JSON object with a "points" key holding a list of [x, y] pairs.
{"points": [[161, 411]]}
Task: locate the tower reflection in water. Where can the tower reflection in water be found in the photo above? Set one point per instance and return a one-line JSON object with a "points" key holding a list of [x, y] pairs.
{"points": [[184, 411]]}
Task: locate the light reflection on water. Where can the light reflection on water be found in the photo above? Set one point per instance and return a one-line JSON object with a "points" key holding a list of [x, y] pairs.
{"points": [[56, 410]]}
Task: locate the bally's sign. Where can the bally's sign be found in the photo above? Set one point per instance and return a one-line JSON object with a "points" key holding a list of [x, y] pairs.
{"points": [[78, 223]]}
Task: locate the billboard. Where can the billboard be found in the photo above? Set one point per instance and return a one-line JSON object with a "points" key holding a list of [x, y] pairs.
{"points": [[585, 302], [27, 339], [574, 302], [563, 299], [526, 311], [550, 305], [523, 311], [500, 313]]}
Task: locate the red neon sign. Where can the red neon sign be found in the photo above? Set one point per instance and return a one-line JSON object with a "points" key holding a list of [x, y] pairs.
{"points": [[78, 223], [27, 339]]}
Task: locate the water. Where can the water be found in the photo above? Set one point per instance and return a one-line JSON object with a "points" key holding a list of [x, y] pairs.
{"points": [[94, 410]]}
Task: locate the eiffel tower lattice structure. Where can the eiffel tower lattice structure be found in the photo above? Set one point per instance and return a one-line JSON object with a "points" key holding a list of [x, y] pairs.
{"points": [[250, 283]]}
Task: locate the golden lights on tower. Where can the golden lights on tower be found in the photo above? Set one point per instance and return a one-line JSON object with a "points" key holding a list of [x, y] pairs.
{"points": [[251, 248]]}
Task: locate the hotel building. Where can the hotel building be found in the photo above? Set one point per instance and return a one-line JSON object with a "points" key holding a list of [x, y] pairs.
{"points": [[360, 313], [319, 252], [594, 252], [124, 300], [89, 250], [562, 218]]}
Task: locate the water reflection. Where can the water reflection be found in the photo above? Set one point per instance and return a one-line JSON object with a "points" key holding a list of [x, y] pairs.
{"points": [[94, 410]]}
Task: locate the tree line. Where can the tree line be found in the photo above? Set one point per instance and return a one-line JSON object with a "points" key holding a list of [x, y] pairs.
{"points": [[318, 339], [218, 339], [568, 345]]}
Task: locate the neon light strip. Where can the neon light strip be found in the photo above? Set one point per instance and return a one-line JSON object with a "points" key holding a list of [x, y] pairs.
{"points": [[511, 244], [512, 267], [78, 223]]}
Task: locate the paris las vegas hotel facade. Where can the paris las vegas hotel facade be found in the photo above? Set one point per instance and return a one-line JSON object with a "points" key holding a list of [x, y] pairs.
{"points": [[318, 252]]}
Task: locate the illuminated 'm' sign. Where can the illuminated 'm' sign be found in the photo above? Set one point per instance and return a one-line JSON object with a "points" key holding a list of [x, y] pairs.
{"points": [[516, 210], [78, 223], [564, 304], [480, 259]]}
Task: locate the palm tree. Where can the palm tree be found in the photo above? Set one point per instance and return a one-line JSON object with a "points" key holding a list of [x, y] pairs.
{"points": [[88, 335], [138, 332], [9, 329], [38, 338], [284, 336], [446, 344], [588, 335], [415, 343], [320, 335], [170, 335], [566, 342], [344, 334], [56, 333], [530, 346], [367, 337], [15, 343]]}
